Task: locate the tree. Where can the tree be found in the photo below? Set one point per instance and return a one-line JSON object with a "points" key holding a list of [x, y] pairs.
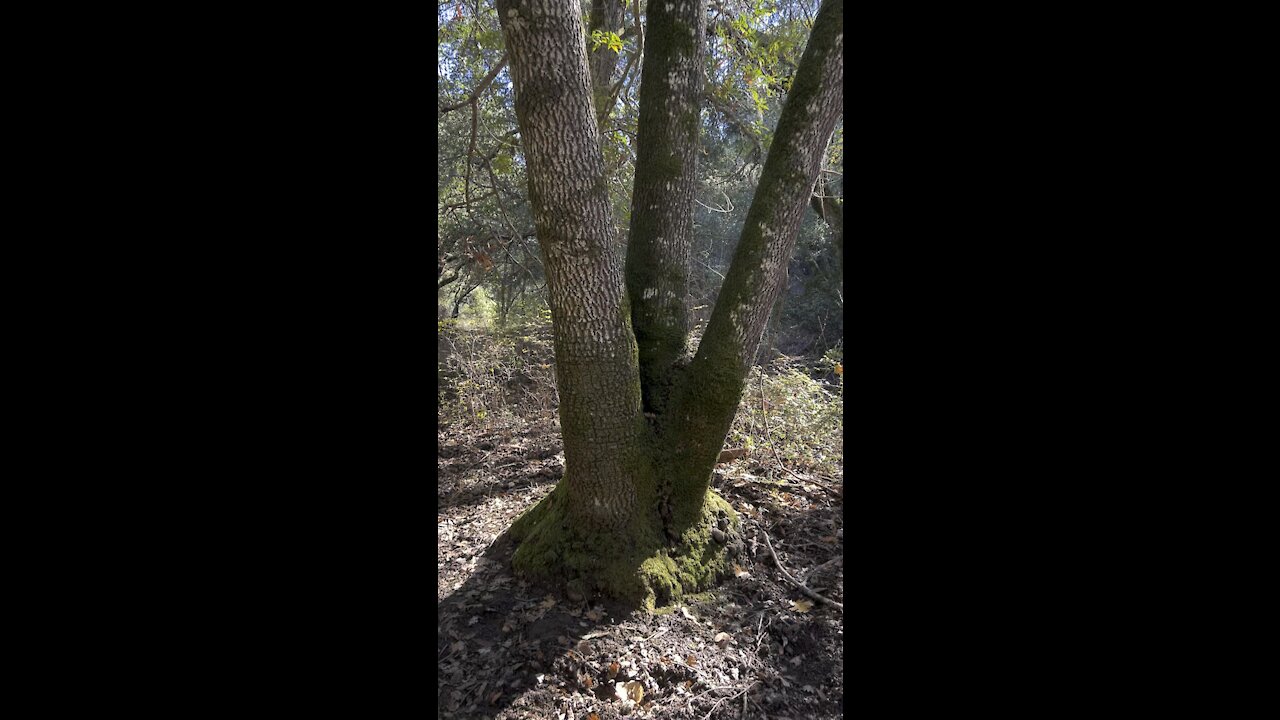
{"points": [[643, 415]]}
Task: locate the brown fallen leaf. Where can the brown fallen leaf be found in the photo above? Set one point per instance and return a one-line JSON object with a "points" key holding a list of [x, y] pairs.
{"points": [[613, 670], [691, 661], [722, 639], [635, 691], [731, 454], [548, 602], [739, 572], [593, 716], [802, 605], [587, 682]]}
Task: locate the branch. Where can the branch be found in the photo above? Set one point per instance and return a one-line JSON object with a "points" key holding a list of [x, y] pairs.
{"points": [[452, 275], [484, 85], [803, 588], [602, 113]]}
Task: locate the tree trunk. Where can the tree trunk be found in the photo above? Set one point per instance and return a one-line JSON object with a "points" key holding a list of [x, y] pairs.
{"points": [[662, 198], [606, 16], [705, 403], [603, 526], [599, 525]]}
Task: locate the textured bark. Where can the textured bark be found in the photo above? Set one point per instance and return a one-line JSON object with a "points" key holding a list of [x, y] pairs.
{"points": [[704, 405], [601, 527], [596, 370], [662, 199], [606, 16]]}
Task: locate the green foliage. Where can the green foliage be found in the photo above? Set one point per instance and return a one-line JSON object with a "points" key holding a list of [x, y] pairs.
{"points": [[478, 312], [834, 358], [603, 37], [804, 417]]}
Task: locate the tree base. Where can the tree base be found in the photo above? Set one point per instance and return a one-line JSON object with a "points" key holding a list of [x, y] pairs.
{"points": [[636, 564]]}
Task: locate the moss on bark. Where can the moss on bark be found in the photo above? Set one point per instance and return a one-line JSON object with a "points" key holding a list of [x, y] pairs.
{"points": [[634, 563]]}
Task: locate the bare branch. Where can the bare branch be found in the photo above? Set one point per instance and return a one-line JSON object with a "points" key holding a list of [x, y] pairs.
{"points": [[484, 85], [803, 588]]}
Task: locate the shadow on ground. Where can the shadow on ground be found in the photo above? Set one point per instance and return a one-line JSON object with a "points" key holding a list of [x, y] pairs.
{"points": [[501, 641], [508, 649]]}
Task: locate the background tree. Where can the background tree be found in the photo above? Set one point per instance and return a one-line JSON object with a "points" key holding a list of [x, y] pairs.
{"points": [[642, 415]]}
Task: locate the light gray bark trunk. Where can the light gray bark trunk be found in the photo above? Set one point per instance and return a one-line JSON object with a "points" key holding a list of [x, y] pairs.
{"points": [[596, 370]]}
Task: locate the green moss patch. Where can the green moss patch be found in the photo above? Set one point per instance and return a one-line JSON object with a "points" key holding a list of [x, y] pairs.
{"points": [[632, 564]]}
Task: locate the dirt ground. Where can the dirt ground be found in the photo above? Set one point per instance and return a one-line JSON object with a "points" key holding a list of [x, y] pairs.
{"points": [[754, 647]]}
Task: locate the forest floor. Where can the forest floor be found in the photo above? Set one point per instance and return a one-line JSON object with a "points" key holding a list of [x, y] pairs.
{"points": [[754, 647]]}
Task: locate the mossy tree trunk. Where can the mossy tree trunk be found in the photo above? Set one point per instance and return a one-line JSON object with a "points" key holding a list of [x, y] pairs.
{"points": [[704, 403], [633, 515], [662, 197]]}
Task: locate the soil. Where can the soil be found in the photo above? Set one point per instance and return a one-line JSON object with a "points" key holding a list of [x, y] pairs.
{"points": [[754, 647]]}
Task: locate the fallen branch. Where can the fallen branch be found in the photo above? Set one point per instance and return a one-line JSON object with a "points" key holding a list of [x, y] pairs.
{"points": [[803, 588], [833, 561]]}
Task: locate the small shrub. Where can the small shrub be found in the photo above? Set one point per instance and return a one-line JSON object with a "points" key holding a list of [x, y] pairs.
{"points": [[487, 376], [805, 421]]}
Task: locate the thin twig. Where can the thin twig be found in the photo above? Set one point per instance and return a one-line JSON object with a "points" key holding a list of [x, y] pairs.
{"points": [[731, 697], [711, 690], [471, 151], [803, 588], [816, 568], [651, 637], [760, 636]]}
